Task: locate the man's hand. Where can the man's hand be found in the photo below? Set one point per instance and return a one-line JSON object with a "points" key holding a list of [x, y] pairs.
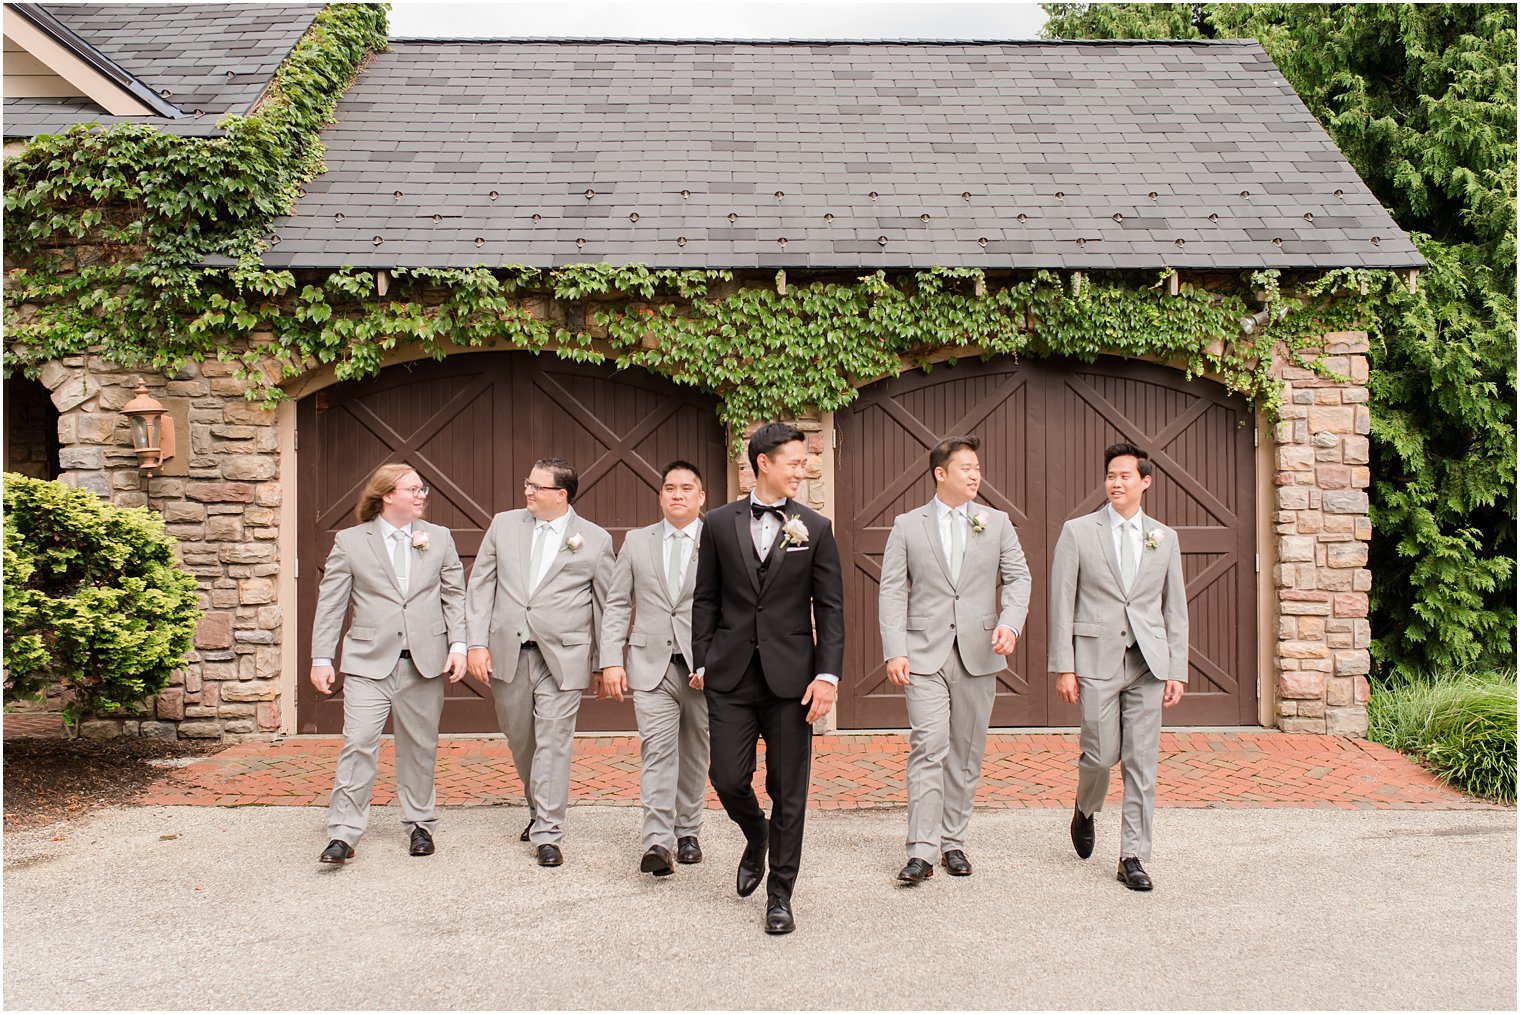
{"points": [[456, 668], [614, 682], [1066, 687], [820, 694], [322, 678], [1173, 693], [480, 664], [1004, 640], [695, 681], [897, 670]]}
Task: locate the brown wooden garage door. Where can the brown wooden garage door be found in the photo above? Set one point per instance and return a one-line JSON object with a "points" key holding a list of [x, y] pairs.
{"points": [[1043, 428], [473, 426]]}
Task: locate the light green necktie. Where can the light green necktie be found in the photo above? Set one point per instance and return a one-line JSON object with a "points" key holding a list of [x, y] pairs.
{"points": [[540, 537], [1127, 554], [674, 572], [957, 543], [398, 558]]}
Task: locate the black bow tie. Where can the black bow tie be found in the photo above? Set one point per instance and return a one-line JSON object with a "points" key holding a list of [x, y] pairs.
{"points": [[760, 510]]}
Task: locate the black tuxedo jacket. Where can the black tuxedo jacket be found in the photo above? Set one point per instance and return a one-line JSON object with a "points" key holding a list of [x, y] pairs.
{"points": [[737, 609]]}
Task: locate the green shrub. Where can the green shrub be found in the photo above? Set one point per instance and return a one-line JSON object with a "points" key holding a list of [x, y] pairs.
{"points": [[1462, 726], [94, 598]]}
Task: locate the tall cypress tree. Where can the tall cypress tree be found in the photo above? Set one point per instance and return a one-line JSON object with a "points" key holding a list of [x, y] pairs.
{"points": [[1421, 99]]}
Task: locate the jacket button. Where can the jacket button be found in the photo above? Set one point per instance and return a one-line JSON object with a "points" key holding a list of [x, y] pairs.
{"points": [[952, 626]]}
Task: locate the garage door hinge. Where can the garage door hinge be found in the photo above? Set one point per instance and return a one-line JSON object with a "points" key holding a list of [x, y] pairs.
{"points": [[1258, 563], [298, 568], [834, 439]]}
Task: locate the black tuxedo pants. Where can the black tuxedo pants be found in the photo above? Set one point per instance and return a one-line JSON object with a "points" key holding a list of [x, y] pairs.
{"points": [[737, 720]]}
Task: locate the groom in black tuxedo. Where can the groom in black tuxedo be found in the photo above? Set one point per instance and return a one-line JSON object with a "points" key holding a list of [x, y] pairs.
{"points": [[767, 573]]}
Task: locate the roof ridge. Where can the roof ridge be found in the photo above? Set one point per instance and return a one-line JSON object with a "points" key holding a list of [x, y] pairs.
{"points": [[638, 40]]}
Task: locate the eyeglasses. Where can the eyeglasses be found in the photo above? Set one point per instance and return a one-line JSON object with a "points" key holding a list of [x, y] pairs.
{"points": [[533, 487], [417, 491]]}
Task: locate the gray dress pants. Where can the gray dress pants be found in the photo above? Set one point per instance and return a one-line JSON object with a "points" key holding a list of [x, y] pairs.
{"points": [[948, 712], [1121, 723], [415, 703], [539, 721], [673, 749]]}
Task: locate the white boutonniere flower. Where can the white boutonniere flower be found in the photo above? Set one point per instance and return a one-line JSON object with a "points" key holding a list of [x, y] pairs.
{"points": [[573, 544], [794, 532], [1153, 538], [979, 522], [420, 541]]}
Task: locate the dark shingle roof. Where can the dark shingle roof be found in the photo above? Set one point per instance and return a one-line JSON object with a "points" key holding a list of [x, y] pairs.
{"points": [[1025, 155], [212, 58]]}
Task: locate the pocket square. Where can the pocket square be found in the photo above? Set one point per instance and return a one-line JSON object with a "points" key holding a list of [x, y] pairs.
{"points": [[796, 549]]}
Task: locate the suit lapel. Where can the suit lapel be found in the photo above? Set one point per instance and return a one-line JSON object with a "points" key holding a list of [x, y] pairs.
{"points": [[778, 551], [931, 532], [377, 543], [1106, 542], [689, 575], [524, 539], [747, 545], [657, 559], [1145, 554]]}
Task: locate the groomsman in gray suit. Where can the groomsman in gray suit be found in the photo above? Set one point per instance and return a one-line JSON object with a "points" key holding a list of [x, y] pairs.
{"points": [[406, 585], [535, 603], [944, 639], [657, 567], [1119, 647]]}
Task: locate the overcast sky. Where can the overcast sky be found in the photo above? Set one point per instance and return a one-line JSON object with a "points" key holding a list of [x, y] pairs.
{"points": [[719, 19]]}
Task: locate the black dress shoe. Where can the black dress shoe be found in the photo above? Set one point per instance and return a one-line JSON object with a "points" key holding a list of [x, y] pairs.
{"points": [[337, 851], [549, 855], [916, 872], [778, 915], [657, 861], [751, 869], [956, 863], [1133, 876], [1083, 834], [524, 835], [422, 842], [687, 850]]}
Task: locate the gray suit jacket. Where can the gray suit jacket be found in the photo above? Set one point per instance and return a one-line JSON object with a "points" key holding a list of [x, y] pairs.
{"points": [[1089, 610], [564, 612], [661, 627], [427, 619], [923, 613]]}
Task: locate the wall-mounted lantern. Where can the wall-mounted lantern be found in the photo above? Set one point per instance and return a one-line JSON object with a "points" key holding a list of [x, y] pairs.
{"points": [[152, 429]]}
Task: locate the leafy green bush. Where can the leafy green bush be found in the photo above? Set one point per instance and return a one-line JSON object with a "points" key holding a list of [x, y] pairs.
{"points": [[94, 598], [1463, 727]]}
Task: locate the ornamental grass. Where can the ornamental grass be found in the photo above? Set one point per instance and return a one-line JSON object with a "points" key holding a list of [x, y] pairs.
{"points": [[1461, 725]]}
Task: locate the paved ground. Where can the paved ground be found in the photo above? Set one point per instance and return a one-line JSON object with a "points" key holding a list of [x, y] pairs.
{"points": [[215, 907], [1207, 769]]}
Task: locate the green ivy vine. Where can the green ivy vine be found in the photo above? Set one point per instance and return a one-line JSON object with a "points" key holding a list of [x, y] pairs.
{"points": [[109, 231]]}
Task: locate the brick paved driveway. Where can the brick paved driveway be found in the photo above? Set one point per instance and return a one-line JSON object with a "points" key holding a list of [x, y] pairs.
{"points": [[1198, 769]]}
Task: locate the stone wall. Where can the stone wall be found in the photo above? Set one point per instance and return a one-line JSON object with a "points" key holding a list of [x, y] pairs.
{"points": [[223, 509], [1322, 528]]}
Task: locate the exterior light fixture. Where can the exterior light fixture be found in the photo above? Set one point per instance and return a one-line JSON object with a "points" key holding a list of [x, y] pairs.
{"points": [[152, 429]]}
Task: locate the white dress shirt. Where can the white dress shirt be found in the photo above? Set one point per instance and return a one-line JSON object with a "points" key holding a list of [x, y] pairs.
{"points": [[686, 546], [947, 516], [1136, 537], [554, 543]]}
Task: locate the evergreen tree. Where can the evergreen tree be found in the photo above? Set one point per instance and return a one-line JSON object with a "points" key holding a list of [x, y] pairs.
{"points": [[1421, 99]]}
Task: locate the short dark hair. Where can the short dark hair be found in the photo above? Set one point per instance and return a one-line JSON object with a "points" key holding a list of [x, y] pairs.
{"points": [[680, 466], [564, 475], [942, 451], [769, 437], [1124, 448]]}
